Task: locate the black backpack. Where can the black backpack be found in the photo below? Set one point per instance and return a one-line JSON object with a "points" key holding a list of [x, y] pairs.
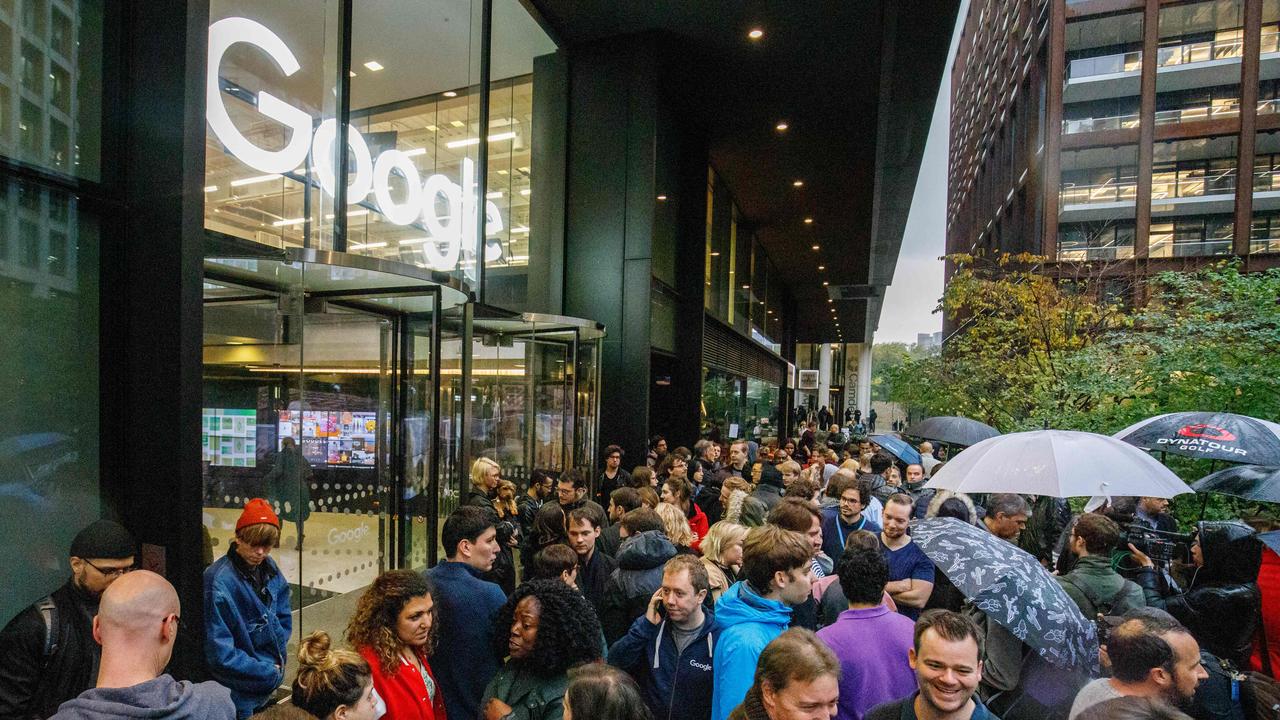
{"points": [[48, 610], [1101, 609]]}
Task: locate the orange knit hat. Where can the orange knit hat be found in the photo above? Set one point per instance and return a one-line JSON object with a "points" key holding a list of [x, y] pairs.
{"points": [[257, 512]]}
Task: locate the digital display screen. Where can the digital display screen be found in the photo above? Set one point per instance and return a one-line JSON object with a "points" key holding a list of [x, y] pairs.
{"points": [[229, 437], [333, 437]]}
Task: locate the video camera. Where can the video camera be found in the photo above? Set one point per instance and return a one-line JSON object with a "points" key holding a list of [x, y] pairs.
{"points": [[1161, 546]]}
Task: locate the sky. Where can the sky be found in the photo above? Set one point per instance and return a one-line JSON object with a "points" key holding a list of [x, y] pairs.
{"points": [[917, 280]]}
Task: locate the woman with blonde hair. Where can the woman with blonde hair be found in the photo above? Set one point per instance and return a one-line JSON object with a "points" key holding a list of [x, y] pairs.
{"points": [[486, 478], [486, 475], [679, 492], [676, 526], [722, 556], [333, 684], [392, 629]]}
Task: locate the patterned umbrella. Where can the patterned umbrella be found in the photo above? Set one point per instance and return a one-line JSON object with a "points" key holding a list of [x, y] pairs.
{"points": [[952, 430], [1012, 588], [1208, 435]]}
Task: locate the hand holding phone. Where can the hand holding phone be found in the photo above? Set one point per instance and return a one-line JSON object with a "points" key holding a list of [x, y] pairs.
{"points": [[655, 611]]}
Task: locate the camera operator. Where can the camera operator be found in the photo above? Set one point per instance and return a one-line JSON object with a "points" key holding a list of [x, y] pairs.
{"points": [[1221, 604]]}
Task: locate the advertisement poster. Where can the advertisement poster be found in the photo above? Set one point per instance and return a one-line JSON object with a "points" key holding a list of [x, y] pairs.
{"points": [[229, 437], [333, 437]]}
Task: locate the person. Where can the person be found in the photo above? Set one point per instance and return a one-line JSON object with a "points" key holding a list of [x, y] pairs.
{"points": [[486, 476], [1132, 707], [722, 557], [804, 516], [621, 501], [282, 711], [47, 651], [757, 609], [638, 575], [643, 476], [540, 488], [287, 483], [846, 518], [1006, 516], [613, 476], [657, 451], [927, 460], [605, 693], [739, 453], [914, 479], [649, 497], [393, 630], [1153, 512], [1094, 586], [673, 465], [871, 672], [946, 656], [708, 452], [670, 647], [333, 684], [551, 525], [831, 599], [245, 589], [825, 417], [137, 625], [797, 679], [881, 464], [555, 562], [544, 629], [467, 604], [871, 420], [680, 493], [594, 567], [675, 525], [1266, 654], [857, 415], [769, 489], [732, 490], [1226, 556], [1151, 655], [911, 573], [790, 470]]}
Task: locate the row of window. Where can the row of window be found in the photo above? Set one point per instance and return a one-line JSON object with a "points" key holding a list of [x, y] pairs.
{"points": [[1179, 237]]}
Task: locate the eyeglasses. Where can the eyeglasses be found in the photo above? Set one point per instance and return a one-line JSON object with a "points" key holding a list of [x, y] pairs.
{"points": [[112, 572]]}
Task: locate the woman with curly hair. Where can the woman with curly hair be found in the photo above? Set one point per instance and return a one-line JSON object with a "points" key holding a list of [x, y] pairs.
{"points": [[676, 527], [545, 629], [392, 631], [333, 684]]}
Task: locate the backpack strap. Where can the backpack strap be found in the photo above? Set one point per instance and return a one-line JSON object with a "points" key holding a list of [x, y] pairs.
{"points": [[48, 610]]}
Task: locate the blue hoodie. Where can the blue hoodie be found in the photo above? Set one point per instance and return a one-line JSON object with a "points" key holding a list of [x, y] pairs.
{"points": [[745, 623], [675, 686]]}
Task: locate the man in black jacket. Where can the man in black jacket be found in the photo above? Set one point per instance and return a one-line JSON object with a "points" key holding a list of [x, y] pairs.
{"points": [[639, 575], [47, 652], [594, 567]]}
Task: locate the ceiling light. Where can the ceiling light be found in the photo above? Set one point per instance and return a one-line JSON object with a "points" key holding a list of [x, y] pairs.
{"points": [[373, 65], [830, 300], [476, 141], [770, 312], [781, 127], [662, 197], [414, 241], [415, 152], [289, 221], [746, 287], [816, 247], [822, 267], [755, 34], [211, 188], [367, 246], [450, 93], [253, 180], [825, 283], [798, 183], [494, 195], [808, 221], [525, 192], [519, 230], [715, 254], [457, 123]]}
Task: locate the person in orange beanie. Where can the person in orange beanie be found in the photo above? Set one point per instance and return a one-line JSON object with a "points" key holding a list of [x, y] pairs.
{"points": [[247, 612]]}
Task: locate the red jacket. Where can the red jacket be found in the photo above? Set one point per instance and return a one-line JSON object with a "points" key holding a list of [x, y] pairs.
{"points": [[403, 691], [1269, 632], [699, 525]]}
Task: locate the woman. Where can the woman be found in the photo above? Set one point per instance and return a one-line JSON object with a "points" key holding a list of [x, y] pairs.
{"points": [[603, 692], [722, 556], [676, 526], [555, 562], [545, 629], [333, 684], [679, 492], [649, 497], [391, 629], [486, 476], [643, 477], [733, 487]]}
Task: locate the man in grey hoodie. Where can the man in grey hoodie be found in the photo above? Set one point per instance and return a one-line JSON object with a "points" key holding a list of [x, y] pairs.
{"points": [[136, 625]]}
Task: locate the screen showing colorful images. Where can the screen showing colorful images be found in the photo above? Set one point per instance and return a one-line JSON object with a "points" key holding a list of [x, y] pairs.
{"points": [[229, 437], [333, 437]]}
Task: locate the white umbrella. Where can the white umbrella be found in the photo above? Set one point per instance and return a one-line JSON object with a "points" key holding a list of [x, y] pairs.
{"points": [[1059, 463]]}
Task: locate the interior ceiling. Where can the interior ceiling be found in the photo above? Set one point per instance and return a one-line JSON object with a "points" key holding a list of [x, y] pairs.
{"points": [[818, 68]]}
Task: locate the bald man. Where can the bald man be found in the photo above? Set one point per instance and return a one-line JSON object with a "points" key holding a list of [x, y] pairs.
{"points": [[927, 460], [137, 624]]}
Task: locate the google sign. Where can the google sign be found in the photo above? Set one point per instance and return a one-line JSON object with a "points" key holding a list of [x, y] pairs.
{"points": [[418, 200]]}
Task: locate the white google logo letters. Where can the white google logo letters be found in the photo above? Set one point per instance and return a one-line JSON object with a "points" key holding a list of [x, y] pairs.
{"points": [[420, 196]]}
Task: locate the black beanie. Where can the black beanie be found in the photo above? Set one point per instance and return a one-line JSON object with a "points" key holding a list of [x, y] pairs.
{"points": [[104, 539]]}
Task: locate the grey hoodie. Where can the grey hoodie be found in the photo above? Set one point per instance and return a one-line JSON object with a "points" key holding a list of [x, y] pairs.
{"points": [[162, 697]]}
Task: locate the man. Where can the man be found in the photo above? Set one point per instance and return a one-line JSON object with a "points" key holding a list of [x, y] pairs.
{"points": [[914, 479], [244, 589], [804, 517], [1006, 516], [873, 642], [757, 609], [927, 460], [840, 522], [945, 655], [621, 501], [657, 451], [613, 476], [871, 420], [1094, 586], [552, 523], [528, 504], [629, 590], [738, 452], [910, 570], [1152, 513], [669, 649], [878, 479], [798, 679], [47, 651], [709, 453], [769, 488], [465, 607], [137, 624], [808, 440], [1152, 655], [594, 567]]}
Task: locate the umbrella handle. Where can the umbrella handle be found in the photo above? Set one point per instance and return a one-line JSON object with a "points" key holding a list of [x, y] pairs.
{"points": [[1204, 503]]}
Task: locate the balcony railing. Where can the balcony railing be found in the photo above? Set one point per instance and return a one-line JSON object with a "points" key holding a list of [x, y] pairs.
{"points": [[1077, 253], [1270, 41], [1164, 246], [1104, 65], [1113, 190], [1114, 122], [1165, 185], [1191, 114], [1266, 107], [1264, 245], [1199, 52]]}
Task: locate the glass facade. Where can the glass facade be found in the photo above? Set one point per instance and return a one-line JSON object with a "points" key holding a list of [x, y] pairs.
{"points": [[1103, 62]]}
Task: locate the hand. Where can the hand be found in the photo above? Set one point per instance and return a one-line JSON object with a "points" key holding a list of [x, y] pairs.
{"points": [[1140, 557], [496, 710], [651, 613]]}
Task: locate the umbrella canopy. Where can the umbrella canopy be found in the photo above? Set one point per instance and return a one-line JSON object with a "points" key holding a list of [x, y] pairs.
{"points": [[1208, 435], [952, 430], [1012, 588], [897, 447], [1271, 540], [1061, 463], [1251, 482]]}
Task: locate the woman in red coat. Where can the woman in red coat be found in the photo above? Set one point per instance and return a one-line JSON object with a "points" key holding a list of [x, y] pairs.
{"points": [[679, 492], [1266, 651], [399, 601]]}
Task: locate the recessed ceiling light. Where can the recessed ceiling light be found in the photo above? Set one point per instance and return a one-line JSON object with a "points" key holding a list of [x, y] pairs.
{"points": [[822, 267], [815, 247], [808, 221], [715, 254], [662, 197], [825, 283], [798, 183], [830, 300], [746, 287], [755, 34], [781, 127], [373, 65], [352, 73], [450, 93]]}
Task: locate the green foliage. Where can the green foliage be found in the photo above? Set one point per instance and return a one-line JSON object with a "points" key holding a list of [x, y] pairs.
{"points": [[887, 356]]}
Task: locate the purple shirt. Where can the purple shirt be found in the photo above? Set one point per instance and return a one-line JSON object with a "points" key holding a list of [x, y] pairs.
{"points": [[872, 645]]}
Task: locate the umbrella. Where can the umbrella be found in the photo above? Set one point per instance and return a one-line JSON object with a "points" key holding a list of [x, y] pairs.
{"points": [[897, 447], [1208, 435], [1061, 463], [1012, 588], [1251, 482], [1271, 540], [952, 430]]}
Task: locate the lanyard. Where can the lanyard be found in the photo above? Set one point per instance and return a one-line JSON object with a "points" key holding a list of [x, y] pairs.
{"points": [[840, 527]]}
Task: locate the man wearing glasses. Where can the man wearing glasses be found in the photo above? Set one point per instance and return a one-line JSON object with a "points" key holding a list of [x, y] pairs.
{"points": [[47, 652]]}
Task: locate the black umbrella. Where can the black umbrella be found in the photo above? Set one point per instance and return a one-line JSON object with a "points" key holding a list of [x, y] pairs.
{"points": [[1209, 436], [1251, 482], [952, 430]]}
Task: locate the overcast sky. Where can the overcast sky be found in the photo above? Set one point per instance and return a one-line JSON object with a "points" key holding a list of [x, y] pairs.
{"points": [[917, 280]]}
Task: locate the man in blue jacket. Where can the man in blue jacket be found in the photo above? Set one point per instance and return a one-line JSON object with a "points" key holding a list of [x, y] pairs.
{"points": [[754, 611], [671, 657], [247, 613]]}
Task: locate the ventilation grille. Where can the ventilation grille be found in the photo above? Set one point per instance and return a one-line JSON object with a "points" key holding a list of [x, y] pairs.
{"points": [[725, 349]]}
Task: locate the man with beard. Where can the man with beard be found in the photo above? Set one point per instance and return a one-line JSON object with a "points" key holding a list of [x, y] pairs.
{"points": [[945, 657], [911, 574], [47, 652], [1152, 655]]}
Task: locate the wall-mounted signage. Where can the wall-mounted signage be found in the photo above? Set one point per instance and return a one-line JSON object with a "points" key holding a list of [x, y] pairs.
{"points": [[417, 204]]}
